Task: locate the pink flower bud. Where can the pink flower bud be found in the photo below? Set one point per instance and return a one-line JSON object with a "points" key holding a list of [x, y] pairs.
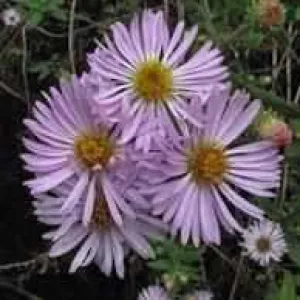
{"points": [[282, 135], [278, 131]]}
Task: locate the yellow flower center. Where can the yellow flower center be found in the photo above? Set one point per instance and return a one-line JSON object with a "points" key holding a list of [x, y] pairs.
{"points": [[153, 81], [263, 244], [101, 218], [207, 163], [93, 149]]}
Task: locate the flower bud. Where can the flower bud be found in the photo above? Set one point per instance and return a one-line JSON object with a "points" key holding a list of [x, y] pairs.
{"points": [[270, 126], [282, 134], [270, 13]]}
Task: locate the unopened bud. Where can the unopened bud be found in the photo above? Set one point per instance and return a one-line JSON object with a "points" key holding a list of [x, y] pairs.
{"points": [[282, 134], [270, 126], [270, 13]]}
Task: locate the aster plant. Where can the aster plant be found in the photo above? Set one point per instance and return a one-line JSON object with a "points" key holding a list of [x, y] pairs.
{"points": [[145, 76], [200, 173], [151, 140]]}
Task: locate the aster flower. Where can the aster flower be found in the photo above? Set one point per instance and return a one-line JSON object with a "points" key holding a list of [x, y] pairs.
{"points": [[100, 240], [154, 292], [64, 142], [264, 242], [145, 75], [10, 17], [196, 182]]}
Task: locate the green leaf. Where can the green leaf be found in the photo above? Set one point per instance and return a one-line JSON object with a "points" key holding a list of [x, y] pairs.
{"points": [[297, 13], [60, 15], [272, 292], [36, 18], [296, 126], [294, 250], [176, 260], [287, 291], [290, 13], [159, 265], [254, 39], [293, 151]]}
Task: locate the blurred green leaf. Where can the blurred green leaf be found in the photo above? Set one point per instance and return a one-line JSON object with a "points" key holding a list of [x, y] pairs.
{"points": [[294, 252], [37, 10], [297, 13], [180, 263], [255, 39], [272, 292], [160, 264], [60, 15], [287, 291], [296, 127], [292, 12], [293, 151], [36, 18]]}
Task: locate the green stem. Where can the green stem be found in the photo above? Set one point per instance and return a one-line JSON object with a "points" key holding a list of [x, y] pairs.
{"points": [[236, 278]]}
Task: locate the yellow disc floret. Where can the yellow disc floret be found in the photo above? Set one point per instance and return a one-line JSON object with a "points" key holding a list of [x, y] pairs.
{"points": [[93, 149], [207, 163], [153, 81]]}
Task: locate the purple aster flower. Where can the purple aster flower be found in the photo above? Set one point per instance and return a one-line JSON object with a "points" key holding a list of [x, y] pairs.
{"points": [[100, 240], [146, 76], [64, 143], [154, 292], [198, 180]]}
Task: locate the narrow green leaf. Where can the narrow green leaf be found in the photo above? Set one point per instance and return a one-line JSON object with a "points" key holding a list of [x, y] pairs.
{"points": [[293, 151], [294, 251], [160, 265]]}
